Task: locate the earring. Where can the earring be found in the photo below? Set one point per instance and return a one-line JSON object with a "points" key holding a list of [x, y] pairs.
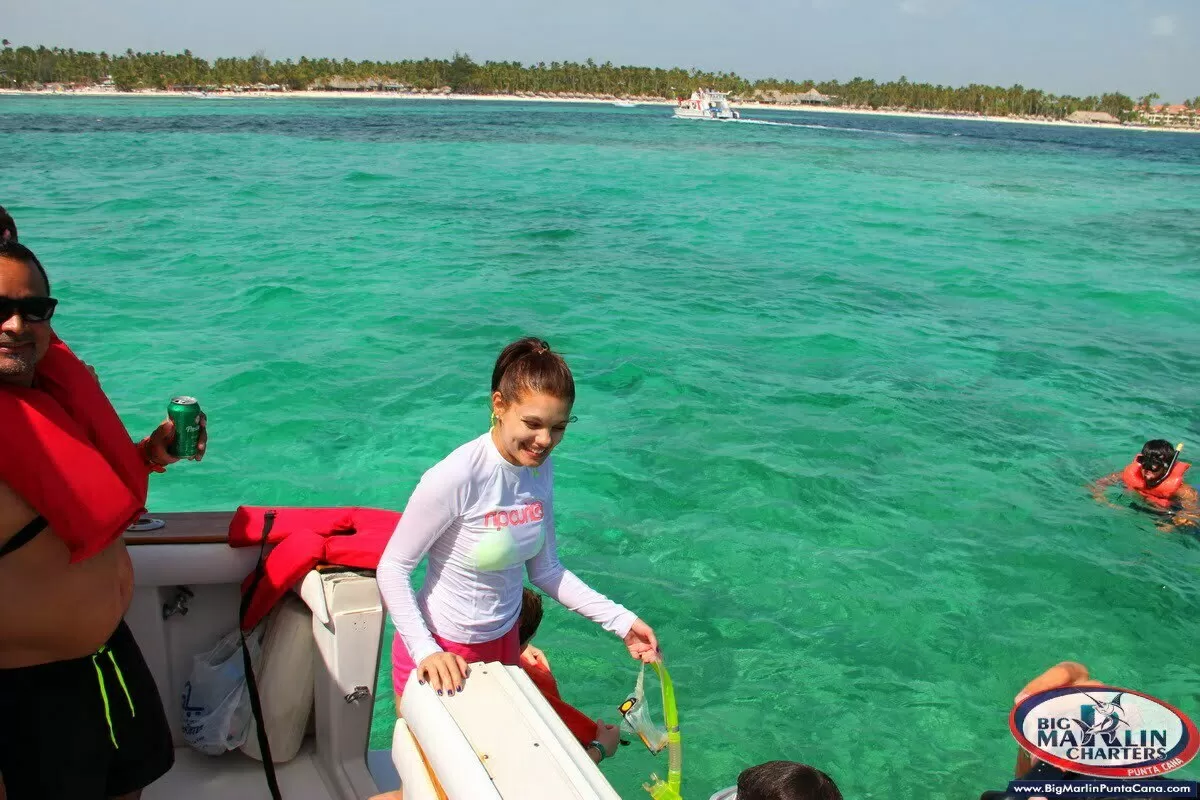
{"points": [[495, 419]]}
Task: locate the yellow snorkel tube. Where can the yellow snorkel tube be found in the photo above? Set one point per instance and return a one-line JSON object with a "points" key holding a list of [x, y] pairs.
{"points": [[670, 789]]}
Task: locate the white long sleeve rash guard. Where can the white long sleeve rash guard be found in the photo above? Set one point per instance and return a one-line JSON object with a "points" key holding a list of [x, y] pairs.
{"points": [[480, 518]]}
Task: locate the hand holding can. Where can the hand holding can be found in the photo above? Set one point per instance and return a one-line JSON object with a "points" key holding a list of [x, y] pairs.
{"points": [[184, 413], [183, 434]]}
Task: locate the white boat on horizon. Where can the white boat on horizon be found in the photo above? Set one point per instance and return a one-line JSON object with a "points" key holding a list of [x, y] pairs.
{"points": [[706, 104], [625, 104]]}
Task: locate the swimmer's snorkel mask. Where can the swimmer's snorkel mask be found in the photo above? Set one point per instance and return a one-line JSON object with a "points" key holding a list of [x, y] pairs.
{"points": [[635, 716], [1155, 462]]}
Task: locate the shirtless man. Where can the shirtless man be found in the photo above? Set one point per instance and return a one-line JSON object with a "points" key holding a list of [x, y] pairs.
{"points": [[82, 717]]}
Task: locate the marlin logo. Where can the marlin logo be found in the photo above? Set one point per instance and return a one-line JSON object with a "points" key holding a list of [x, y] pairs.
{"points": [[1104, 731], [1107, 718]]}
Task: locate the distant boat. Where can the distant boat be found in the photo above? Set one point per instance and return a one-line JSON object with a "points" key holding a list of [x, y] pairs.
{"points": [[624, 104], [706, 104]]}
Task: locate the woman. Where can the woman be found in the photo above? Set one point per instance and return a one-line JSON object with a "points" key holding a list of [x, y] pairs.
{"points": [[481, 514]]}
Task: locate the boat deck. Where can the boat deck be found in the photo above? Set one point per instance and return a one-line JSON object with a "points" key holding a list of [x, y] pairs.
{"points": [[196, 776]]}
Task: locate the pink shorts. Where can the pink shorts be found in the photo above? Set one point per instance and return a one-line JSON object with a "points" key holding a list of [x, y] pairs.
{"points": [[506, 650]]}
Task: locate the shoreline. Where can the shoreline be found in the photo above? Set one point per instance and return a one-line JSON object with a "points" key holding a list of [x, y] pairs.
{"points": [[320, 94]]}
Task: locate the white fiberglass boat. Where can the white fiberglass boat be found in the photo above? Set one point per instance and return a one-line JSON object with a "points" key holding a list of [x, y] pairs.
{"points": [[706, 104], [499, 740]]}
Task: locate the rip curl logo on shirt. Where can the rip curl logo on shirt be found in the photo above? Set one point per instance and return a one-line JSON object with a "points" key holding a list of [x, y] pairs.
{"points": [[517, 516], [497, 549], [1104, 732]]}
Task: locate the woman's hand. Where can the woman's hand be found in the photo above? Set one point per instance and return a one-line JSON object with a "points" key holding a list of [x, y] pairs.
{"points": [[444, 672], [642, 643]]}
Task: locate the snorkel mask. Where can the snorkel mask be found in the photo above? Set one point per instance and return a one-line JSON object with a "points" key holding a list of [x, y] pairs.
{"points": [[635, 716], [1153, 463]]}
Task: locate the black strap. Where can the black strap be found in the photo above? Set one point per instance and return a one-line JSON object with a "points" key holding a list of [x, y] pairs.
{"points": [[24, 536], [264, 746]]}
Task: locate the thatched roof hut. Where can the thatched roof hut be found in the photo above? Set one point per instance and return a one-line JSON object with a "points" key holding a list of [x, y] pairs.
{"points": [[1093, 118], [810, 98]]}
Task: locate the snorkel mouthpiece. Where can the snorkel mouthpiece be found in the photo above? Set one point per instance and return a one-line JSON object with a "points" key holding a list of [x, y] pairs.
{"points": [[659, 790]]}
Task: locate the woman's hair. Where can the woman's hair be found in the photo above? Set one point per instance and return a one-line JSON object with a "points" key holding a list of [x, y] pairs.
{"points": [[785, 780], [529, 366], [11, 248], [531, 615], [8, 228]]}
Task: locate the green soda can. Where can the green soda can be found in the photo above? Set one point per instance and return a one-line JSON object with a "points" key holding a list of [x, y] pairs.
{"points": [[185, 413]]}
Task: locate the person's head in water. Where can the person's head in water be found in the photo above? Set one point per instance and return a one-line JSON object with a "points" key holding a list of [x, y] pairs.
{"points": [[531, 616], [8, 228], [532, 395], [25, 311], [786, 780], [1155, 459]]}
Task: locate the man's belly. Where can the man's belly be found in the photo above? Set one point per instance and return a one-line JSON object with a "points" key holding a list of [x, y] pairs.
{"points": [[52, 610]]}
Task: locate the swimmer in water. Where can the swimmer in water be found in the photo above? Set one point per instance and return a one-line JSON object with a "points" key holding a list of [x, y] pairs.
{"points": [[1156, 476]]}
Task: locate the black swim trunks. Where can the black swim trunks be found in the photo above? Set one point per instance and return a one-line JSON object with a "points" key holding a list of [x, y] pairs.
{"points": [[85, 729]]}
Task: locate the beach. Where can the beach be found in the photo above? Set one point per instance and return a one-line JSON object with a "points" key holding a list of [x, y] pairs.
{"points": [[741, 106]]}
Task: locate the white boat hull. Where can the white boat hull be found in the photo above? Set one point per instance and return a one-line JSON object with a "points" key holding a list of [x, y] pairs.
{"points": [[720, 116], [528, 751]]}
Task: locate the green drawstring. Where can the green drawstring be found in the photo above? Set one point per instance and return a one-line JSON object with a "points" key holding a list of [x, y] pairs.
{"points": [[121, 680], [112, 734]]}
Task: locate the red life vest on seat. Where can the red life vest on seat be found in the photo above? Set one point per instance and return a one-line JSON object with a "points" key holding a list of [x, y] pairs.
{"points": [[1161, 494], [304, 538], [65, 451]]}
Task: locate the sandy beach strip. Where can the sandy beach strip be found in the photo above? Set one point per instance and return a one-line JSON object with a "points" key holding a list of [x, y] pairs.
{"points": [[317, 94]]}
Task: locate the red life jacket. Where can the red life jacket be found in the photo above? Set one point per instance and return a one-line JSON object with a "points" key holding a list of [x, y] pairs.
{"points": [[304, 538], [65, 451], [1161, 494]]}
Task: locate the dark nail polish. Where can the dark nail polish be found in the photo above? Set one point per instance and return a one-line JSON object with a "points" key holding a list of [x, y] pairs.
{"points": [[460, 690], [439, 692], [420, 683]]}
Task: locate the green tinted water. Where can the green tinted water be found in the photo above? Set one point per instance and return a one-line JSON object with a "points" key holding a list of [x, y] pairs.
{"points": [[840, 387]]}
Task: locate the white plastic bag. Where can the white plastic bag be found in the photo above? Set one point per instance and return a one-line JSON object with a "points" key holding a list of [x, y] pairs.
{"points": [[215, 707], [285, 680]]}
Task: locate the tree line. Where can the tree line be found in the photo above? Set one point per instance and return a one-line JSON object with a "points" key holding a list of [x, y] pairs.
{"points": [[25, 67]]}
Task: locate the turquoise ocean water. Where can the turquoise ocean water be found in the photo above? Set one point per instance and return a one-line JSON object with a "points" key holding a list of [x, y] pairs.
{"points": [[841, 383]]}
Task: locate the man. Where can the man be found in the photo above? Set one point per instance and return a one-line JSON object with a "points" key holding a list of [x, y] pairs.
{"points": [[781, 780], [82, 717], [1156, 475]]}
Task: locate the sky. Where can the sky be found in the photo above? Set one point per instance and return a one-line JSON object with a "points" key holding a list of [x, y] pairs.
{"points": [[1075, 47]]}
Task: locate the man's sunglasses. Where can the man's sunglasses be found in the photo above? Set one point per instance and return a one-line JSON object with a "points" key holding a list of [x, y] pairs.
{"points": [[31, 309]]}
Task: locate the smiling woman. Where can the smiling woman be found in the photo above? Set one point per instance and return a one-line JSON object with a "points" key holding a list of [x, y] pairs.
{"points": [[532, 395], [481, 514]]}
